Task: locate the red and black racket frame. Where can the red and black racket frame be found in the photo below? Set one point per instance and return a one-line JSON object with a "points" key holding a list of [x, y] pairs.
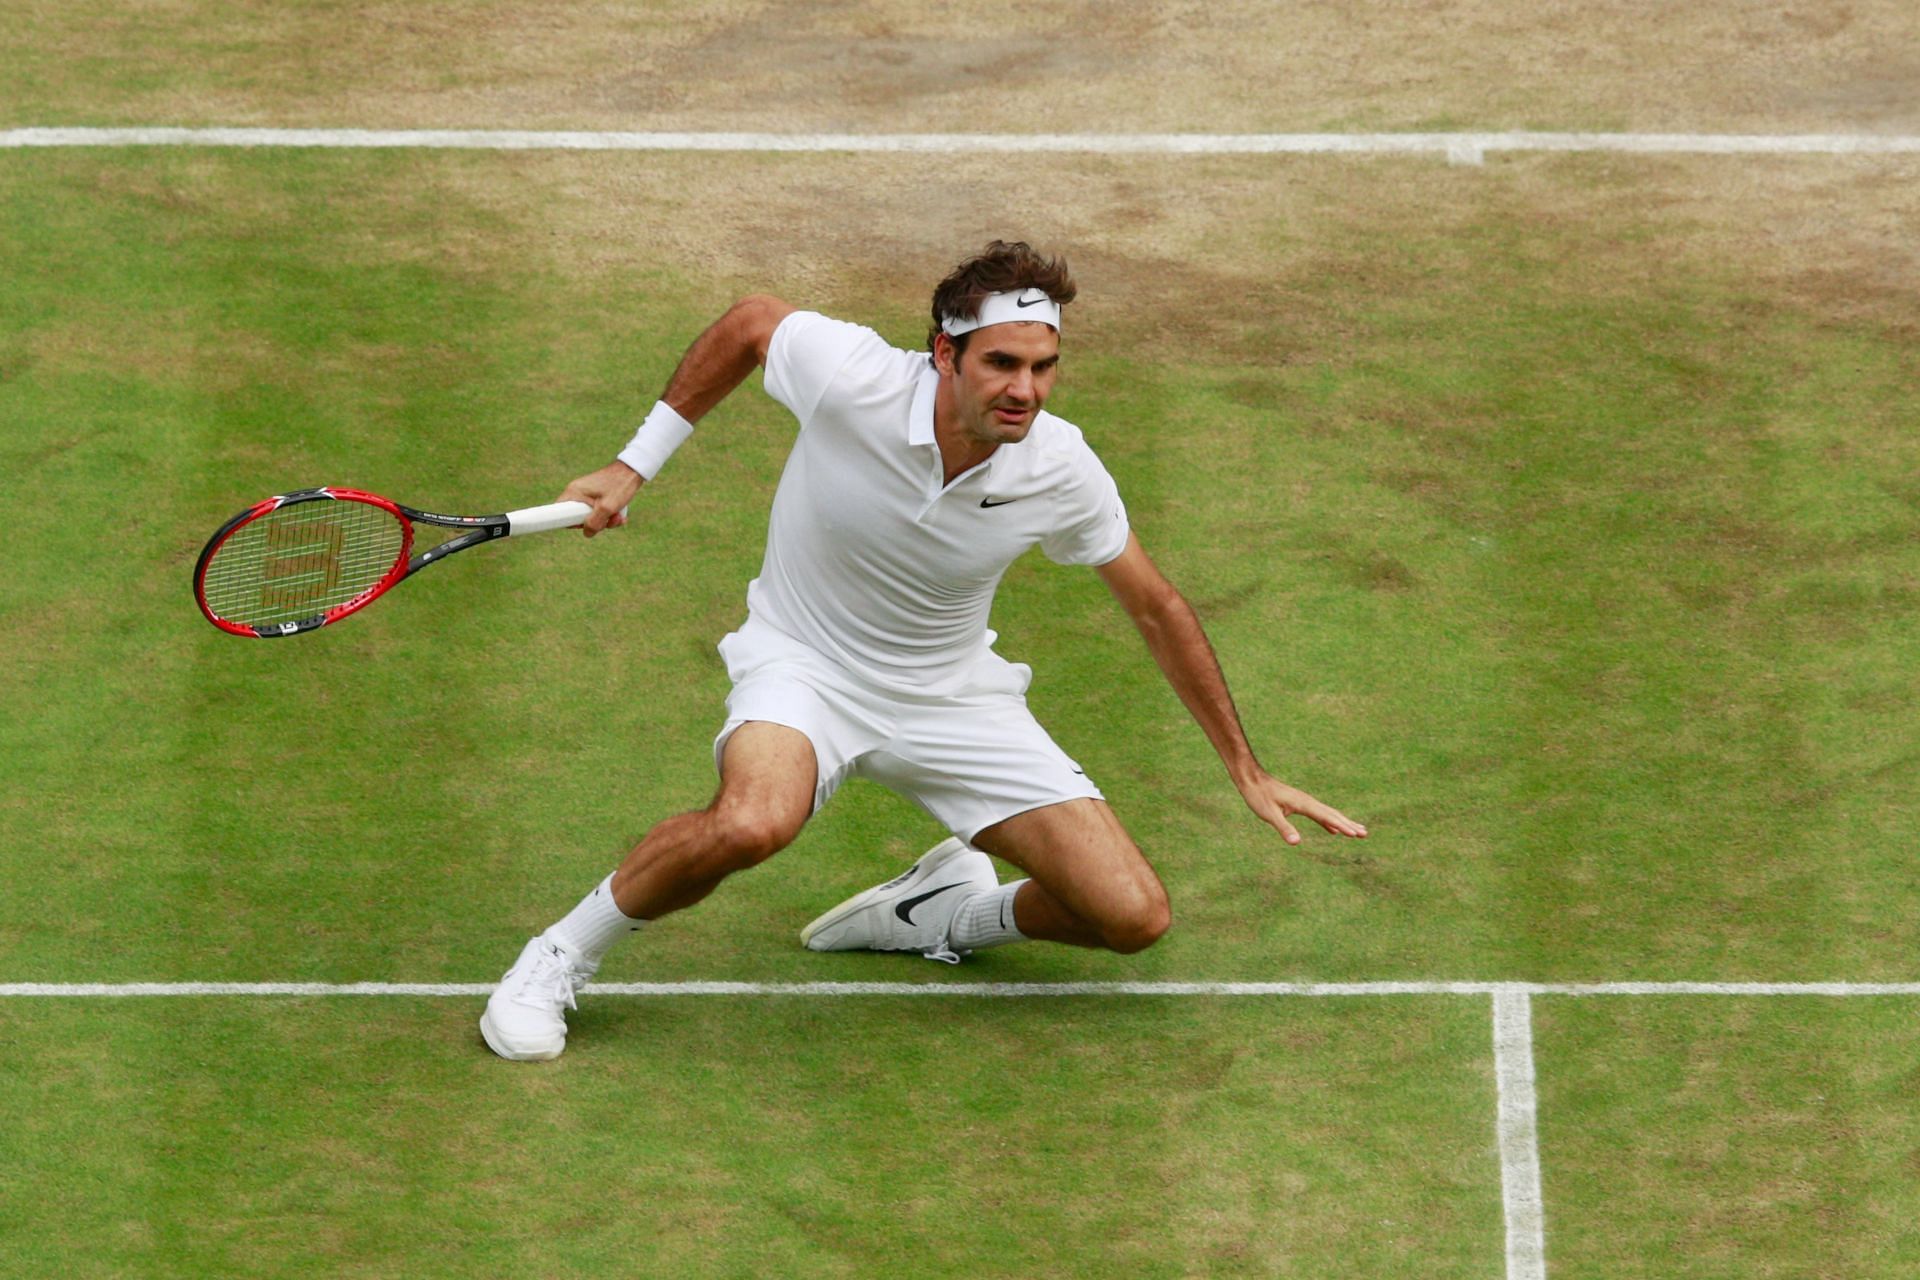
{"points": [[481, 529]]}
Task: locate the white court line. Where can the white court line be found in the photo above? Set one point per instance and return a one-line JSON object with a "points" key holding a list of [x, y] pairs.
{"points": [[977, 989], [1517, 1124], [1519, 1135], [1460, 148]]}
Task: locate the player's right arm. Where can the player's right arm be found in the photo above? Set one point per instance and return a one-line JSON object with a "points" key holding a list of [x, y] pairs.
{"points": [[718, 361]]}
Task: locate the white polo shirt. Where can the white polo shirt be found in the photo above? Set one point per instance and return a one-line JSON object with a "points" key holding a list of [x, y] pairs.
{"points": [[871, 560]]}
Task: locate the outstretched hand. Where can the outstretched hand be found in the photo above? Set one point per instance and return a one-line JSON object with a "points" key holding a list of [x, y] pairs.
{"points": [[607, 491], [1274, 801]]}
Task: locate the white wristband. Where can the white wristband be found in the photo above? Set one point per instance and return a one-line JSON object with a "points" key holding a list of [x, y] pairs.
{"points": [[651, 446]]}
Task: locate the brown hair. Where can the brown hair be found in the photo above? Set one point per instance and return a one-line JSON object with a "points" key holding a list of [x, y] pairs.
{"points": [[1001, 267]]}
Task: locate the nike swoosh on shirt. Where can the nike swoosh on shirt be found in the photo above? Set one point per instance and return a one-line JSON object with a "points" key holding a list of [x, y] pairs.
{"points": [[905, 909], [997, 502]]}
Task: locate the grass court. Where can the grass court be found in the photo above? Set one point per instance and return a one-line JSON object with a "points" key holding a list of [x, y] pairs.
{"points": [[1555, 517]]}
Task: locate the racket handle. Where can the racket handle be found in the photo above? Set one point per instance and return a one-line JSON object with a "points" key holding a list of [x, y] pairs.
{"points": [[555, 515]]}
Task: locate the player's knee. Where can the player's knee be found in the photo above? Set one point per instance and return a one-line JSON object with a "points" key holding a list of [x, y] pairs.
{"points": [[1141, 925], [746, 837]]}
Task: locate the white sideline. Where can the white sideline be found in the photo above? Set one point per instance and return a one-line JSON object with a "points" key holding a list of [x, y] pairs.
{"points": [[1459, 148], [1518, 1128], [979, 989]]}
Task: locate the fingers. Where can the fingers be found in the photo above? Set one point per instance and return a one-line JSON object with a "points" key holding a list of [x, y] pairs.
{"points": [[578, 492], [1285, 801], [607, 491], [609, 512], [1274, 814], [1337, 822]]}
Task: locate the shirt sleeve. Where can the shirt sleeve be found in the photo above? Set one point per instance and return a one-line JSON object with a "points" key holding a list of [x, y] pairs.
{"points": [[807, 352], [1091, 525]]}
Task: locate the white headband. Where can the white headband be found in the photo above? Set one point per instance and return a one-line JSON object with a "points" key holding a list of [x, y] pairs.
{"points": [[1003, 308]]}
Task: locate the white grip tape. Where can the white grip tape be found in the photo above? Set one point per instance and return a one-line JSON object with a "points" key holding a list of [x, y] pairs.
{"points": [[663, 432], [555, 515]]}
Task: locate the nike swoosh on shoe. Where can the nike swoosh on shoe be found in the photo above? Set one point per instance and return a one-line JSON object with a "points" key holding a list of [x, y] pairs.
{"points": [[905, 909]]}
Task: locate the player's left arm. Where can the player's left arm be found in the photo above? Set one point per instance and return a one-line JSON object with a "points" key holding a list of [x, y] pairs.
{"points": [[1174, 635]]}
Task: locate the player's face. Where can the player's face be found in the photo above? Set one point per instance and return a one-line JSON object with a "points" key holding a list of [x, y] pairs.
{"points": [[1002, 380]]}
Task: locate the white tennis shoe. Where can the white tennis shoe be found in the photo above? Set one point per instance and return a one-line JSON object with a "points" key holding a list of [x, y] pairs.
{"points": [[913, 912], [524, 1021]]}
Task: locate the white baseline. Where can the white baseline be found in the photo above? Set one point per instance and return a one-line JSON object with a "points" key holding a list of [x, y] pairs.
{"points": [[1004, 990], [1464, 147]]}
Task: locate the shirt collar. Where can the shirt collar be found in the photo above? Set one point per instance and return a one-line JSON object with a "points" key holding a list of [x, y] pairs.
{"points": [[920, 417]]}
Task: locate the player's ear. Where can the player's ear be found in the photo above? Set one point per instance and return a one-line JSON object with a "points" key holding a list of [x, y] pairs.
{"points": [[945, 358]]}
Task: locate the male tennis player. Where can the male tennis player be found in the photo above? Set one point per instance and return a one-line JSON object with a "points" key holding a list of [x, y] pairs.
{"points": [[914, 482]]}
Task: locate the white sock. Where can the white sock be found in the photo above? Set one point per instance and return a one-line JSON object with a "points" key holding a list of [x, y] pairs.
{"points": [[986, 920], [589, 929]]}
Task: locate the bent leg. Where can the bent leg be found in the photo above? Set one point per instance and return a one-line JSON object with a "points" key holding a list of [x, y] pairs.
{"points": [[767, 778], [1091, 886]]}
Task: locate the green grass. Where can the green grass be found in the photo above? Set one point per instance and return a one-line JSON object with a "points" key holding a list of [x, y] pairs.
{"points": [[738, 1138], [1755, 1138], [1574, 561]]}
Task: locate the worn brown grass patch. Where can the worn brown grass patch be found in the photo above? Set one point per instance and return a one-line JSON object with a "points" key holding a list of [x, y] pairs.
{"points": [[1739, 65], [1228, 254]]}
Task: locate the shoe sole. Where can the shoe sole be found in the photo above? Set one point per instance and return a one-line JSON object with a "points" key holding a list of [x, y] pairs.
{"points": [[922, 871], [499, 1045]]}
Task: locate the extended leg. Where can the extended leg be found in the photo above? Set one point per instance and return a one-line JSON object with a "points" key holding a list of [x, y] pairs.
{"points": [[766, 794]]}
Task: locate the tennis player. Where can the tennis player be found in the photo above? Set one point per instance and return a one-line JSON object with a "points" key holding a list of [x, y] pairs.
{"points": [[916, 479]]}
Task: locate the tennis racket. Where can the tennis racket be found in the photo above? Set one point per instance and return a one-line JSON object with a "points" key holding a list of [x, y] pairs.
{"points": [[304, 560]]}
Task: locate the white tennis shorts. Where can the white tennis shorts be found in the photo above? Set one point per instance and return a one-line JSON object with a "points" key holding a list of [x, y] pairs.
{"points": [[970, 759]]}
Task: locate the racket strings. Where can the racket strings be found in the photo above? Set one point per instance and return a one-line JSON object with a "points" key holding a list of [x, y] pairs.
{"points": [[302, 559]]}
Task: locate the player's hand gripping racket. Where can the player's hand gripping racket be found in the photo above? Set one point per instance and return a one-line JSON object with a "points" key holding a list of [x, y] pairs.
{"points": [[302, 560]]}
